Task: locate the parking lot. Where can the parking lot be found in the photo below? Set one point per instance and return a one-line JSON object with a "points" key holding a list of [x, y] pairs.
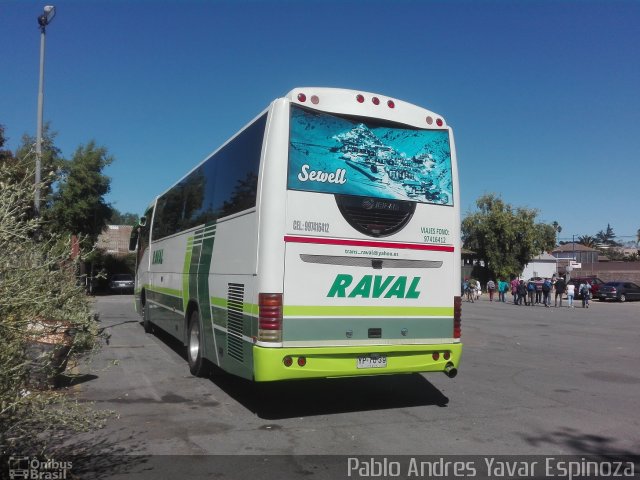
{"points": [[533, 380]]}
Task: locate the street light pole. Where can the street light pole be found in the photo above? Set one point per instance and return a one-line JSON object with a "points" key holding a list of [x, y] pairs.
{"points": [[43, 21]]}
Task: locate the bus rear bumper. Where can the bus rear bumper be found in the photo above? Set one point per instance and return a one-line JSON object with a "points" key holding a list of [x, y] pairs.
{"points": [[326, 362]]}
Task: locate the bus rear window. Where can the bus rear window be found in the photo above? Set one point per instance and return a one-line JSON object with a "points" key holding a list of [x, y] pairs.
{"points": [[347, 156]]}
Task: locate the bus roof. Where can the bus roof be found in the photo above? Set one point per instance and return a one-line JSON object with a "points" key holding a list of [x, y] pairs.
{"points": [[366, 104]]}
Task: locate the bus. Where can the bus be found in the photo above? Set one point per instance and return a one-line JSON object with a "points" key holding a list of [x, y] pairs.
{"points": [[321, 241]]}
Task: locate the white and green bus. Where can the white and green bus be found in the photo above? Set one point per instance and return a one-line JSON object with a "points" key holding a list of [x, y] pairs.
{"points": [[322, 240]]}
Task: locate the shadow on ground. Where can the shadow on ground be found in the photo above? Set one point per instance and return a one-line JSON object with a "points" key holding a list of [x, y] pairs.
{"points": [[576, 442], [305, 398]]}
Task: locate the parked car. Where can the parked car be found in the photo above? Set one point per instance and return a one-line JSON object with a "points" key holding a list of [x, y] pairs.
{"points": [[619, 290], [595, 283], [121, 283]]}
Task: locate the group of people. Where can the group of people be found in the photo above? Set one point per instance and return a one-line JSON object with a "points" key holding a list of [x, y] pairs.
{"points": [[530, 292]]}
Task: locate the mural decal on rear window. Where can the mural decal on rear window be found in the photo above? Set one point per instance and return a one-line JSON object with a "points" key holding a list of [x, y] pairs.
{"points": [[331, 154]]}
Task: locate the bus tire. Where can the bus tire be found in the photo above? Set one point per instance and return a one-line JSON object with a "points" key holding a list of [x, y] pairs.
{"points": [[198, 366]]}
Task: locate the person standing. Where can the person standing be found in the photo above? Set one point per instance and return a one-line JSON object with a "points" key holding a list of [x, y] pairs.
{"points": [[560, 287], [502, 290], [522, 293], [539, 291], [531, 290], [491, 288], [546, 292], [514, 289], [585, 291], [571, 292]]}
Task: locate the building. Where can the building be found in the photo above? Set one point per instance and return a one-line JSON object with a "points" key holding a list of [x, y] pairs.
{"points": [[543, 265], [576, 252], [114, 240]]}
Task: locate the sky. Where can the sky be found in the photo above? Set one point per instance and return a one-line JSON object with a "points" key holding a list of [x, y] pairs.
{"points": [[543, 96]]}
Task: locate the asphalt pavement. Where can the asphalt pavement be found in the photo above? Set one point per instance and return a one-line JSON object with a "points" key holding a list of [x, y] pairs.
{"points": [[533, 380]]}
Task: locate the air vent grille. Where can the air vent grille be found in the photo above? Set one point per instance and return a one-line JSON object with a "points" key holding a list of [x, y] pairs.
{"points": [[235, 316]]}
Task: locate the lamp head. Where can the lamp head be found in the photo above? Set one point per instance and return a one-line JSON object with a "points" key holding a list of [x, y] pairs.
{"points": [[47, 16]]}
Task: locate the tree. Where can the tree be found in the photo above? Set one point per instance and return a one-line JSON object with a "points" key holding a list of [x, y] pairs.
{"points": [[78, 205], [51, 161], [505, 237], [6, 155], [118, 218], [587, 241], [606, 237], [39, 295], [558, 228]]}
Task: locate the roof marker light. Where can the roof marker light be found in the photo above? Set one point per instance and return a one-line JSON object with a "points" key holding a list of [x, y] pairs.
{"points": [[360, 98], [302, 97], [391, 104], [375, 100], [315, 100], [439, 122], [430, 120]]}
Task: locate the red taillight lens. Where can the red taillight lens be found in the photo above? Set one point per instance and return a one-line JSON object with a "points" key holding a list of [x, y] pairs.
{"points": [[302, 361], [457, 317], [288, 361], [375, 100], [435, 356], [439, 122], [302, 97], [446, 355], [270, 317], [360, 98], [391, 104]]}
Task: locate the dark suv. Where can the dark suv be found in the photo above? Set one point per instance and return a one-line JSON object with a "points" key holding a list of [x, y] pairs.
{"points": [[595, 283]]}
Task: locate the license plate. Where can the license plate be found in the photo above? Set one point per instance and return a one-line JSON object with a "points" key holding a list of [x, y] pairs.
{"points": [[372, 361]]}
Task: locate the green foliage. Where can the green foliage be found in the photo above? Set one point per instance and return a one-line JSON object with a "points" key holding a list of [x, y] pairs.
{"points": [[505, 237], [78, 206], [51, 161], [606, 237], [587, 241], [39, 302], [118, 218], [5, 155]]}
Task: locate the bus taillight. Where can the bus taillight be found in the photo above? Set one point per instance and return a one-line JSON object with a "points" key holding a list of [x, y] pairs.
{"points": [[457, 317], [270, 317]]}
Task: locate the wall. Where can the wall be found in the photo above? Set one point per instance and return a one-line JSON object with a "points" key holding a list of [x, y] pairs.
{"points": [[608, 271]]}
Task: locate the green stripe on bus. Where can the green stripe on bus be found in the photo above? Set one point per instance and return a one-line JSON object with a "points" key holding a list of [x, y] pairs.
{"points": [[165, 290], [167, 300], [248, 308], [352, 311], [186, 267]]}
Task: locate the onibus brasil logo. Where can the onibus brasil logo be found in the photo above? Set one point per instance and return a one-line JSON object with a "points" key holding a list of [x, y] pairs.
{"points": [[21, 467]]}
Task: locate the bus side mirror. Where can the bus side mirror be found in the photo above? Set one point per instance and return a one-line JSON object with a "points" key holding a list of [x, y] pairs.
{"points": [[143, 221], [133, 240]]}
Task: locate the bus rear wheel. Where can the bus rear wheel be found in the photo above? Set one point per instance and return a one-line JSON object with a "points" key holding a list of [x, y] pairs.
{"points": [[198, 366]]}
